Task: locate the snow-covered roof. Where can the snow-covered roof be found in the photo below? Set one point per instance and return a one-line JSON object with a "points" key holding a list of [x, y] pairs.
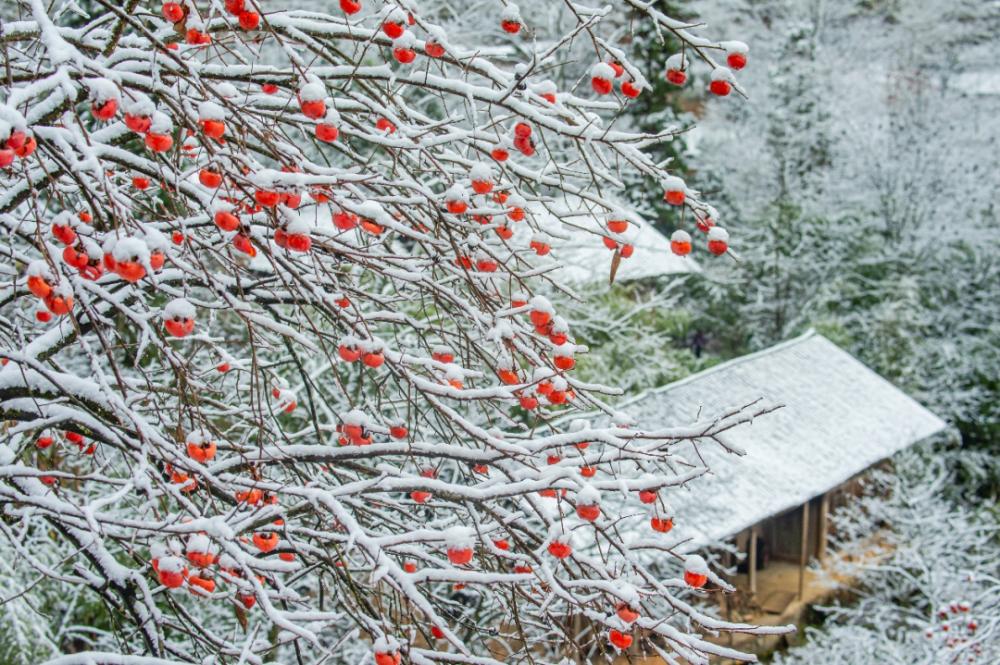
{"points": [[838, 419], [985, 82], [585, 259]]}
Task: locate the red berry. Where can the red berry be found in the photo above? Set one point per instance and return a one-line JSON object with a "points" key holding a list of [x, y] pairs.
{"points": [[210, 178], [350, 6], [626, 613], [265, 542], [159, 142], [630, 89], [327, 133], [619, 639], [404, 55], [27, 148], [617, 225], [16, 140], [720, 87], [314, 108], [393, 30], [602, 86], [433, 49], [695, 579], [138, 123], [173, 12], [249, 20], [661, 525], [460, 555], [226, 221], [105, 110]]}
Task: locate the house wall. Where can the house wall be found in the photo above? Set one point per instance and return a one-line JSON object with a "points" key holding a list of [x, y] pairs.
{"points": [[780, 537], [783, 535]]}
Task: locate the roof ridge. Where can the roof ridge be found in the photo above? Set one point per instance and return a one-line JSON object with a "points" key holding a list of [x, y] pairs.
{"points": [[780, 346]]}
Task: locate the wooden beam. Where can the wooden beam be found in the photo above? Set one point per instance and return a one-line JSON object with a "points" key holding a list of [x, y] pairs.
{"points": [[804, 552], [824, 511], [752, 570]]}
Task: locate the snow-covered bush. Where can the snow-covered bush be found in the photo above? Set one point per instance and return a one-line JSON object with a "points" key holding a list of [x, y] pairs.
{"points": [[927, 588], [278, 381]]}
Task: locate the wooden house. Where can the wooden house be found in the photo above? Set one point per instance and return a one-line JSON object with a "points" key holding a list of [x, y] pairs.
{"points": [[771, 500]]}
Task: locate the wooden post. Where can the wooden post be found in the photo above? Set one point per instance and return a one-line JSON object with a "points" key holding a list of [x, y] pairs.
{"points": [[804, 553], [752, 570], [824, 510]]}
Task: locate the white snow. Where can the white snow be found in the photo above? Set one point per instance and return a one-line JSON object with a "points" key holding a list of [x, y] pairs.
{"points": [[161, 123], [588, 496], [694, 563], [101, 90], [602, 70], [722, 74], [139, 106], [459, 537], [395, 15], [541, 304], [355, 417], [131, 249], [718, 233], [171, 564], [211, 111], [38, 268], [673, 184], [198, 436], [312, 92], [456, 193], [735, 47], [510, 13], [178, 308], [332, 117], [405, 40], [481, 171], [677, 61], [565, 350], [199, 544]]}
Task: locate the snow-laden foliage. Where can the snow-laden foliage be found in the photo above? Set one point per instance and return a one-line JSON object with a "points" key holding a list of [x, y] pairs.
{"points": [[862, 184], [926, 570], [278, 381]]}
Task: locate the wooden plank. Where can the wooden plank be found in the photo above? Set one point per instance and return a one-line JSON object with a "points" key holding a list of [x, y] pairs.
{"points": [[752, 570], [824, 510], [804, 553], [776, 602]]}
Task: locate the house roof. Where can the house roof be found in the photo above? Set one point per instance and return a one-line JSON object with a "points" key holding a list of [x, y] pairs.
{"points": [[584, 257], [838, 419]]}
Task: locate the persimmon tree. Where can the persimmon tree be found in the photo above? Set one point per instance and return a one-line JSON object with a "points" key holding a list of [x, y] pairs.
{"points": [[278, 381]]}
